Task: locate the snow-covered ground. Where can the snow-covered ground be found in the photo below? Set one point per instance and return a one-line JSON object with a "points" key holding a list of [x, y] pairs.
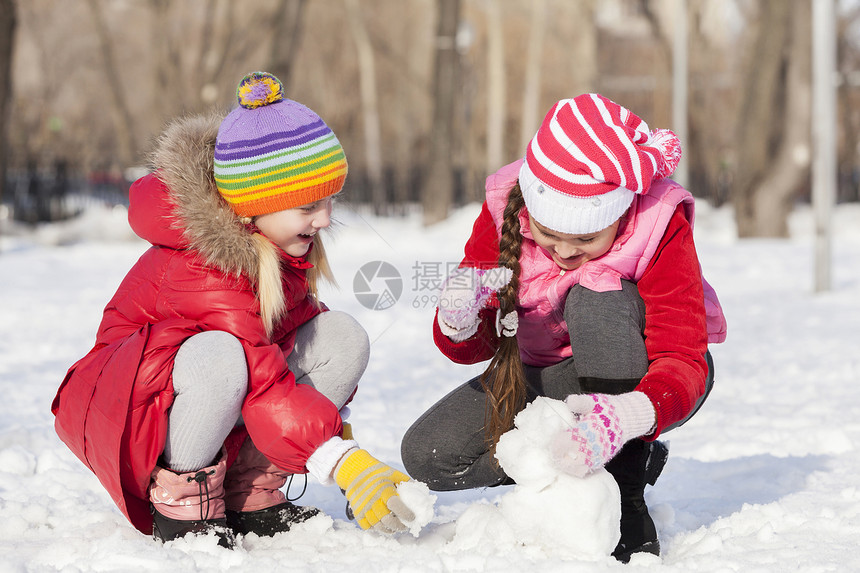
{"points": [[764, 478]]}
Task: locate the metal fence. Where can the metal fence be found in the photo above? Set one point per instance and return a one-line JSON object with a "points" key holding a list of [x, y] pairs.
{"points": [[45, 195]]}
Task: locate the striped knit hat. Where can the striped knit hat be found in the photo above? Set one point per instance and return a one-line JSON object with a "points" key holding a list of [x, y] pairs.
{"points": [[588, 159], [273, 153]]}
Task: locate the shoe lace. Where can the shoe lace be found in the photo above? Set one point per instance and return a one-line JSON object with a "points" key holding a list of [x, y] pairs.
{"points": [[202, 489]]}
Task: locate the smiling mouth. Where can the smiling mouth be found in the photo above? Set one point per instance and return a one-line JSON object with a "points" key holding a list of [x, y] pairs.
{"points": [[570, 261]]}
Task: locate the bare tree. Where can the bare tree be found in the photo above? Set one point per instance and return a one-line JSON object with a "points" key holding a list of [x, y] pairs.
{"points": [[663, 64], [167, 61], [773, 128], [848, 108], [369, 102], [438, 185], [532, 83], [706, 149], [411, 95], [495, 85], [8, 22], [194, 64], [123, 123], [581, 43], [286, 38], [217, 39]]}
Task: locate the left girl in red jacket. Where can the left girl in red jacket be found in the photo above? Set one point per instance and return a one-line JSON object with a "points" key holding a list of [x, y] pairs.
{"points": [[217, 373]]}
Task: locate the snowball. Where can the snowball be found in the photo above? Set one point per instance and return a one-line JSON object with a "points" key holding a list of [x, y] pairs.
{"points": [[525, 452], [417, 497]]}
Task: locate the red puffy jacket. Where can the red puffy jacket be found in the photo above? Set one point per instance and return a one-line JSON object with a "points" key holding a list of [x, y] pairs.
{"points": [[112, 406]]}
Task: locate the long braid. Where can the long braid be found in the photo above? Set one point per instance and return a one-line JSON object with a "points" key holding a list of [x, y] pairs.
{"points": [[504, 380]]}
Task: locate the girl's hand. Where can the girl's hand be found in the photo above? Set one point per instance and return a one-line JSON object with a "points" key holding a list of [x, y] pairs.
{"points": [[465, 292], [371, 488], [603, 425]]}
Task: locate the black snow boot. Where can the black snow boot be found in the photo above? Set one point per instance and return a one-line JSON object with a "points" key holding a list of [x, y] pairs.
{"points": [[167, 529], [637, 464], [269, 521]]}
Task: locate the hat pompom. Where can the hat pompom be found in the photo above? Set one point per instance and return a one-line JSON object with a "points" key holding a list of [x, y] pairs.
{"points": [[669, 147], [258, 89]]}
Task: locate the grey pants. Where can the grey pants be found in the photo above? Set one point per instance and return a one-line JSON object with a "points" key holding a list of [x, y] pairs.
{"points": [[446, 447], [210, 381]]}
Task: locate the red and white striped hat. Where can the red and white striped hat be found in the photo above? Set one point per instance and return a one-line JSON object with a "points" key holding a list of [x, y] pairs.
{"points": [[587, 160]]}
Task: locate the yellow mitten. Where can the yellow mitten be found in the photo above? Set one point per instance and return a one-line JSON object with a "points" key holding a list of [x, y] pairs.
{"points": [[369, 486]]}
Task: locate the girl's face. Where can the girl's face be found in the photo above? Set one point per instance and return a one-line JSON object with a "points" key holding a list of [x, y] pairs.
{"points": [[293, 229], [571, 251]]}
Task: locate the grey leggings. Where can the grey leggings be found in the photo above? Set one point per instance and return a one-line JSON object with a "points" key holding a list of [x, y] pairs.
{"points": [[446, 447], [210, 381]]}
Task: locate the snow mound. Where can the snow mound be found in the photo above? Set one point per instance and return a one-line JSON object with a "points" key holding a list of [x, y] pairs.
{"points": [[417, 497]]}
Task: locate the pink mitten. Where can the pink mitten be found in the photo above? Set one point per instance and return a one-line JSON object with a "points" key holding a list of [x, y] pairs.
{"points": [[465, 292], [603, 424]]}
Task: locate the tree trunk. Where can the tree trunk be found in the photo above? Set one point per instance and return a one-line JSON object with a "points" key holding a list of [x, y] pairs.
{"points": [[209, 63], [495, 86], [848, 142], [583, 45], [438, 184], [286, 39], [661, 94], [704, 166], [216, 47], [773, 134], [166, 59], [531, 89], [411, 99], [8, 22], [775, 196], [369, 103], [119, 106]]}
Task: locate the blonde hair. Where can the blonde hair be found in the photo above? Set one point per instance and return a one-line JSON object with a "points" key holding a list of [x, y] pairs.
{"points": [[504, 380], [270, 290]]}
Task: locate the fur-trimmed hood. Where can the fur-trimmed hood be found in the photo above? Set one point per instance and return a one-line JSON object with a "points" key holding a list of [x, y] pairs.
{"points": [[179, 206]]}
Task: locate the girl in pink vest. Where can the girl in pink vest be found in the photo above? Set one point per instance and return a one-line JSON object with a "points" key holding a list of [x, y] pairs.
{"points": [[581, 283]]}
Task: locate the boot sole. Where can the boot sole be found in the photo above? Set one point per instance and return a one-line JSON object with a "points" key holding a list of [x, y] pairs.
{"points": [[652, 547]]}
